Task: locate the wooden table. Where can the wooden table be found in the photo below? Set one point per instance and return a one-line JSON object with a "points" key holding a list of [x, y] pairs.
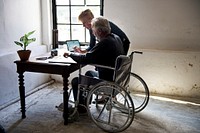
{"points": [[45, 67]]}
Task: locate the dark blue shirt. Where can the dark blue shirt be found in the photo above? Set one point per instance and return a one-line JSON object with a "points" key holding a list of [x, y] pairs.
{"points": [[104, 53], [116, 30]]}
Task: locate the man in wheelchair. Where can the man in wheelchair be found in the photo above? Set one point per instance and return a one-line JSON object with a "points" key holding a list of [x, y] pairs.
{"points": [[105, 52]]}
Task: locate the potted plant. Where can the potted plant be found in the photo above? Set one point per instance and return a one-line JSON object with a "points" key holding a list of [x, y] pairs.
{"points": [[24, 54]]}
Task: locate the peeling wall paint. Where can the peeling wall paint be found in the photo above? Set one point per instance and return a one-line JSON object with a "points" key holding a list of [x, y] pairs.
{"points": [[170, 73]]}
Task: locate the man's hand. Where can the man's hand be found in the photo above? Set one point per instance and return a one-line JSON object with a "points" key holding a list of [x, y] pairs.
{"points": [[77, 49], [66, 54]]}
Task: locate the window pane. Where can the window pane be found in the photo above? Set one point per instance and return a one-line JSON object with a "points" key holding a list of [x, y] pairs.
{"points": [[92, 2], [78, 33], [75, 13], [77, 2], [77, 10], [87, 36], [62, 2], [95, 10], [64, 21], [63, 32], [63, 14]]}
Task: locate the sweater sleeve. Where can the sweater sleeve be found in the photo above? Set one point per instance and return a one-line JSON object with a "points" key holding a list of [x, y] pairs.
{"points": [[79, 58], [93, 56]]}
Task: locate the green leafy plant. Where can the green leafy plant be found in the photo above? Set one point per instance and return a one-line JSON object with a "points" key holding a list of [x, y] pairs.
{"points": [[25, 40]]}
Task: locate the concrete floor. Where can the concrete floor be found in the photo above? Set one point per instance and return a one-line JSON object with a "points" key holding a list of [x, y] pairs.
{"points": [[162, 115]]}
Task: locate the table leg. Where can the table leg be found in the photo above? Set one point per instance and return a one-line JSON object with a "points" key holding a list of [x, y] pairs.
{"points": [[22, 94], [65, 99]]}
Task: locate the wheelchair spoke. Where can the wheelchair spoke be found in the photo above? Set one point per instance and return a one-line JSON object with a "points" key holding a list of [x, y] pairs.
{"points": [[116, 113], [104, 106]]}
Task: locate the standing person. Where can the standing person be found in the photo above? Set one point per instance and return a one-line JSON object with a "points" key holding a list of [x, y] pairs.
{"points": [[85, 17], [104, 52]]}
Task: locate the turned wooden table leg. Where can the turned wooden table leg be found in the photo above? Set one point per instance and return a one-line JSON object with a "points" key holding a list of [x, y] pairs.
{"points": [[22, 94], [65, 99]]}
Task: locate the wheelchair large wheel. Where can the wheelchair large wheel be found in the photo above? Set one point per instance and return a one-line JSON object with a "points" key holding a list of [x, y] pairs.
{"points": [[139, 92], [116, 113]]}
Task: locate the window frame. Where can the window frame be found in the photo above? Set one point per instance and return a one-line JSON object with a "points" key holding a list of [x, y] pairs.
{"points": [[56, 24]]}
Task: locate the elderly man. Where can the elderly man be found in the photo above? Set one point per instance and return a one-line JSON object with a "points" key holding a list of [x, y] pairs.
{"points": [[104, 52]]}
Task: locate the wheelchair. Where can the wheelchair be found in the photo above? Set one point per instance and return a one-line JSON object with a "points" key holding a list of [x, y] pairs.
{"points": [[116, 113]]}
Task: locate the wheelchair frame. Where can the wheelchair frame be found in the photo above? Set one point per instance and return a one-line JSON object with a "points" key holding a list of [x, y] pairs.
{"points": [[117, 112]]}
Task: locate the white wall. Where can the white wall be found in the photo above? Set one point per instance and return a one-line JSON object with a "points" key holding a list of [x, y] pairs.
{"points": [[16, 18], [168, 32], [170, 72], [158, 24]]}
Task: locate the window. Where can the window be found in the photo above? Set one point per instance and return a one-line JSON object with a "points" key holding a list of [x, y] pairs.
{"points": [[65, 18]]}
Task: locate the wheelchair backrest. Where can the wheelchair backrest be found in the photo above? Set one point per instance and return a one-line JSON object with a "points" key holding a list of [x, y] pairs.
{"points": [[122, 70]]}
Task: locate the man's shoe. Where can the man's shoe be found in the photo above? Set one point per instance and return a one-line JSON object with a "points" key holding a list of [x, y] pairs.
{"points": [[82, 110], [102, 100]]}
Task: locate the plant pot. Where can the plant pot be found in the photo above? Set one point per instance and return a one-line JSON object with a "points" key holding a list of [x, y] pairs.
{"points": [[24, 54]]}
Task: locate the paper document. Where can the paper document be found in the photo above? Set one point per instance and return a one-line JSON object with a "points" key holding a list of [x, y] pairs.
{"points": [[61, 59]]}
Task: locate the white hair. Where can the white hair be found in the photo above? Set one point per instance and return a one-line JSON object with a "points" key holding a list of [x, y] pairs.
{"points": [[101, 24]]}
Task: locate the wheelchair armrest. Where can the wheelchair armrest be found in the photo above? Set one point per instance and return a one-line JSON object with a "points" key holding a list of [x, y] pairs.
{"points": [[95, 65], [102, 66]]}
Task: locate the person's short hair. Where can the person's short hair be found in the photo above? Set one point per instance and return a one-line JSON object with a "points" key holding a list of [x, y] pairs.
{"points": [[86, 14], [101, 24]]}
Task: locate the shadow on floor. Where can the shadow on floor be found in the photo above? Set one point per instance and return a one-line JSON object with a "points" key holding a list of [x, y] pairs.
{"points": [[160, 116]]}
